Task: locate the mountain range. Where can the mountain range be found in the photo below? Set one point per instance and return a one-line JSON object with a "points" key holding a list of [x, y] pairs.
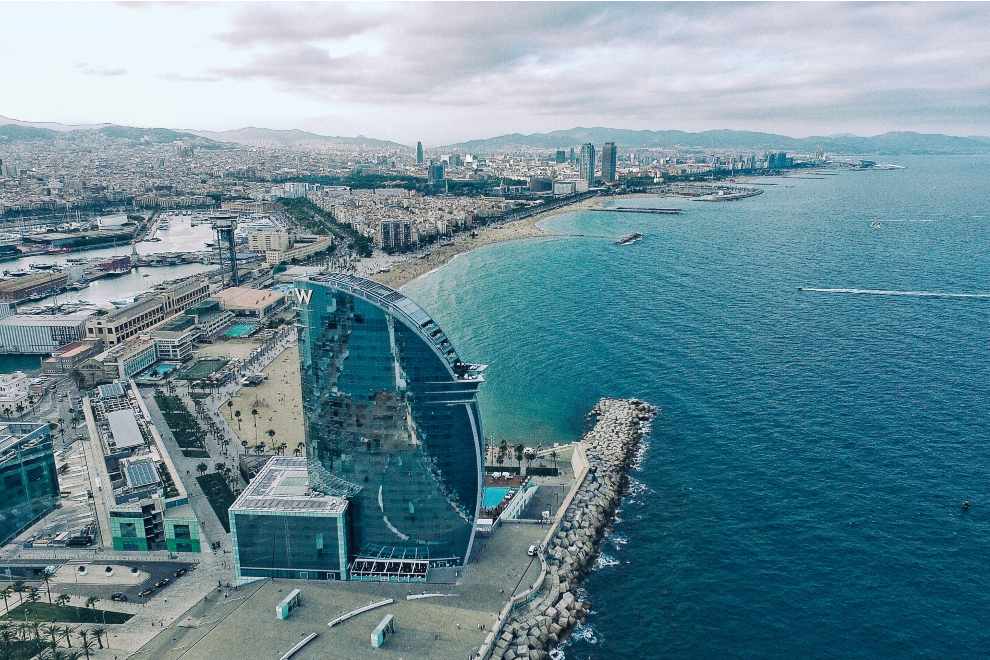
{"points": [[294, 139], [12, 130], [903, 142]]}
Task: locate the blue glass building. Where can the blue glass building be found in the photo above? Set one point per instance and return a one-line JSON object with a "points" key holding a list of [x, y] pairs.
{"points": [[392, 426], [28, 480]]}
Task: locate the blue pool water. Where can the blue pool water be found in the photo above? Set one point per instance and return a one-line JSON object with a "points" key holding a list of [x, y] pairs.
{"points": [[800, 495], [240, 330], [493, 496]]}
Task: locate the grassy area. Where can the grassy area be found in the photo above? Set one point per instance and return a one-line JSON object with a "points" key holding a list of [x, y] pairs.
{"points": [[218, 492], [185, 428], [44, 612]]}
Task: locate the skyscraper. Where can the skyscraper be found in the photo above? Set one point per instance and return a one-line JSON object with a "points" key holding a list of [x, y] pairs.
{"points": [[435, 174], [587, 167], [392, 425], [419, 153], [560, 156], [609, 154]]}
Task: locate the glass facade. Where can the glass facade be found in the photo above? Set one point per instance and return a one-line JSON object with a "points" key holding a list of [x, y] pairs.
{"points": [[289, 545], [28, 481], [392, 421]]}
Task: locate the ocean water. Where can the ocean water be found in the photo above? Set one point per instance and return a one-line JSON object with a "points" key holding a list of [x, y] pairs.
{"points": [[800, 494]]}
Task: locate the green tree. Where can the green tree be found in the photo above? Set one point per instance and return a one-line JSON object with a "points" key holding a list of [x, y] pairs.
{"points": [[99, 632], [62, 600], [202, 468], [86, 643], [6, 593]]}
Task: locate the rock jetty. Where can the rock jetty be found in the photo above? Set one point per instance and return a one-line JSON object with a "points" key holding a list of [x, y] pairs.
{"points": [[534, 622]]}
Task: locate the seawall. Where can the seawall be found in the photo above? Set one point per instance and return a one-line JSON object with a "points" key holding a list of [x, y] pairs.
{"points": [[532, 622]]}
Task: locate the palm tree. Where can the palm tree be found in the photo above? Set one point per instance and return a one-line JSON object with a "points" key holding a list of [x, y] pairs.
{"points": [[51, 629], [33, 595], [518, 450], [503, 449], [87, 644], [19, 589], [254, 415], [67, 634], [244, 443], [271, 436], [230, 406], [46, 578], [62, 600], [92, 601], [259, 448], [237, 416], [98, 632], [6, 593]]}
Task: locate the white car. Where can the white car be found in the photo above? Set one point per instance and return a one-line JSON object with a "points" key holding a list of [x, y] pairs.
{"points": [[532, 551]]}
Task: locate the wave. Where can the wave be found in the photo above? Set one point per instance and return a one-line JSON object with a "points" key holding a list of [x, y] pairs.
{"points": [[884, 292], [605, 561]]}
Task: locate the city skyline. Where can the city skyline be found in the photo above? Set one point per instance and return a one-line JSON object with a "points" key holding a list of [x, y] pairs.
{"points": [[423, 72]]}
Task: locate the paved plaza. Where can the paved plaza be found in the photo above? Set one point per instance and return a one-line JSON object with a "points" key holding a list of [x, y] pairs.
{"points": [[242, 624]]}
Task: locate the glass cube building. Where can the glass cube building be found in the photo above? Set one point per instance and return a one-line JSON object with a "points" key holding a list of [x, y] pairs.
{"points": [[28, 481], [392, 426]]}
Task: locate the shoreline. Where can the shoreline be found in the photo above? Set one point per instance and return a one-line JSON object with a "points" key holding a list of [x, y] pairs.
{"points": [[408, 270]]}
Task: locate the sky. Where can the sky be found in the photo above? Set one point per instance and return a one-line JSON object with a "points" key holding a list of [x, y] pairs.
{"points": [[447, 72]]}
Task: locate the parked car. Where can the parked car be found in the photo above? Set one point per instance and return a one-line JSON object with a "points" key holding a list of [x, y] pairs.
{"points": [[147, 592], [179, 573], [161, 583], [531, 551], [119, 596]]}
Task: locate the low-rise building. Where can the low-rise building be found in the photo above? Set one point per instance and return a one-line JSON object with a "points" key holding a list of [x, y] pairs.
{"points": [[15, 393], [146, 506], [32, 287], [176, 338], [116, 325], [40, 333], [120, 361], [281, 528], [71, 356], [211, 318], [253, 303], [263, 241]]}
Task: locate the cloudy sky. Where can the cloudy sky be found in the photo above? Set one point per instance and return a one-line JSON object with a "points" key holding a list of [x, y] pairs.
{"points": [[447, 72]]}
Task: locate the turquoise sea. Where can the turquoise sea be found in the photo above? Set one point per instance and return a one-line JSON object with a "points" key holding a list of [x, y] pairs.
{"points": [[800, 495]]}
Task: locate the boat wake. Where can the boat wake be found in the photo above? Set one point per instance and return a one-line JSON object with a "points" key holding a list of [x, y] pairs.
{"points": [[884, 292]]}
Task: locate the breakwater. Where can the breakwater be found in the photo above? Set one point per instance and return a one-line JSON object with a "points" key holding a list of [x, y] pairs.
{"points": [[532, 622]]}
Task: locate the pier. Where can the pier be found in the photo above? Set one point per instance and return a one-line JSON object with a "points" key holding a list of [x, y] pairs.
{"points": [[532, 622], [647, 210]]}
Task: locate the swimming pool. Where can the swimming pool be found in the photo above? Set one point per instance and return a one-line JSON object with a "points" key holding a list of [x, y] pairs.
{"points": [[164, 369], [493, 496], [240, 330]]}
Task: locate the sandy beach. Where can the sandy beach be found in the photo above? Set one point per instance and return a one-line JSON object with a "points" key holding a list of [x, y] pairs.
{"points": [[406, 270], [278, 401]]}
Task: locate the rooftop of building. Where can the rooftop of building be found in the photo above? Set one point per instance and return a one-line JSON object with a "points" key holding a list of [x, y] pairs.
{"points": [[179, 323], [16, 283], [283, 485], [46, 320], [74, 349], [399, 304], [242, 296], [16, 433]]}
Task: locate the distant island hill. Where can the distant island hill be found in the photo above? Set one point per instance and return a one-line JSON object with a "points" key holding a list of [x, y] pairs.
{"points": [[899, 142]]}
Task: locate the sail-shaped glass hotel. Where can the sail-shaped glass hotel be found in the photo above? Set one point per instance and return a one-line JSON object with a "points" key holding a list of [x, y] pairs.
{"points": [[392, 427]]}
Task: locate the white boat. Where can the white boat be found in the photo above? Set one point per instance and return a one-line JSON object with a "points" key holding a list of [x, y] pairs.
{"points": [[875, 224]]}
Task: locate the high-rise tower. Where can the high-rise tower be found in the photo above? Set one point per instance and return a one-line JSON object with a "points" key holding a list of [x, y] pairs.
{"points": [[587, 167], [392, 424], [419, 153], [609, 154]]}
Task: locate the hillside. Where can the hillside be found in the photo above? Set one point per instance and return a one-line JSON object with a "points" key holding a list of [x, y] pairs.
{"points": [[887, 143]]}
